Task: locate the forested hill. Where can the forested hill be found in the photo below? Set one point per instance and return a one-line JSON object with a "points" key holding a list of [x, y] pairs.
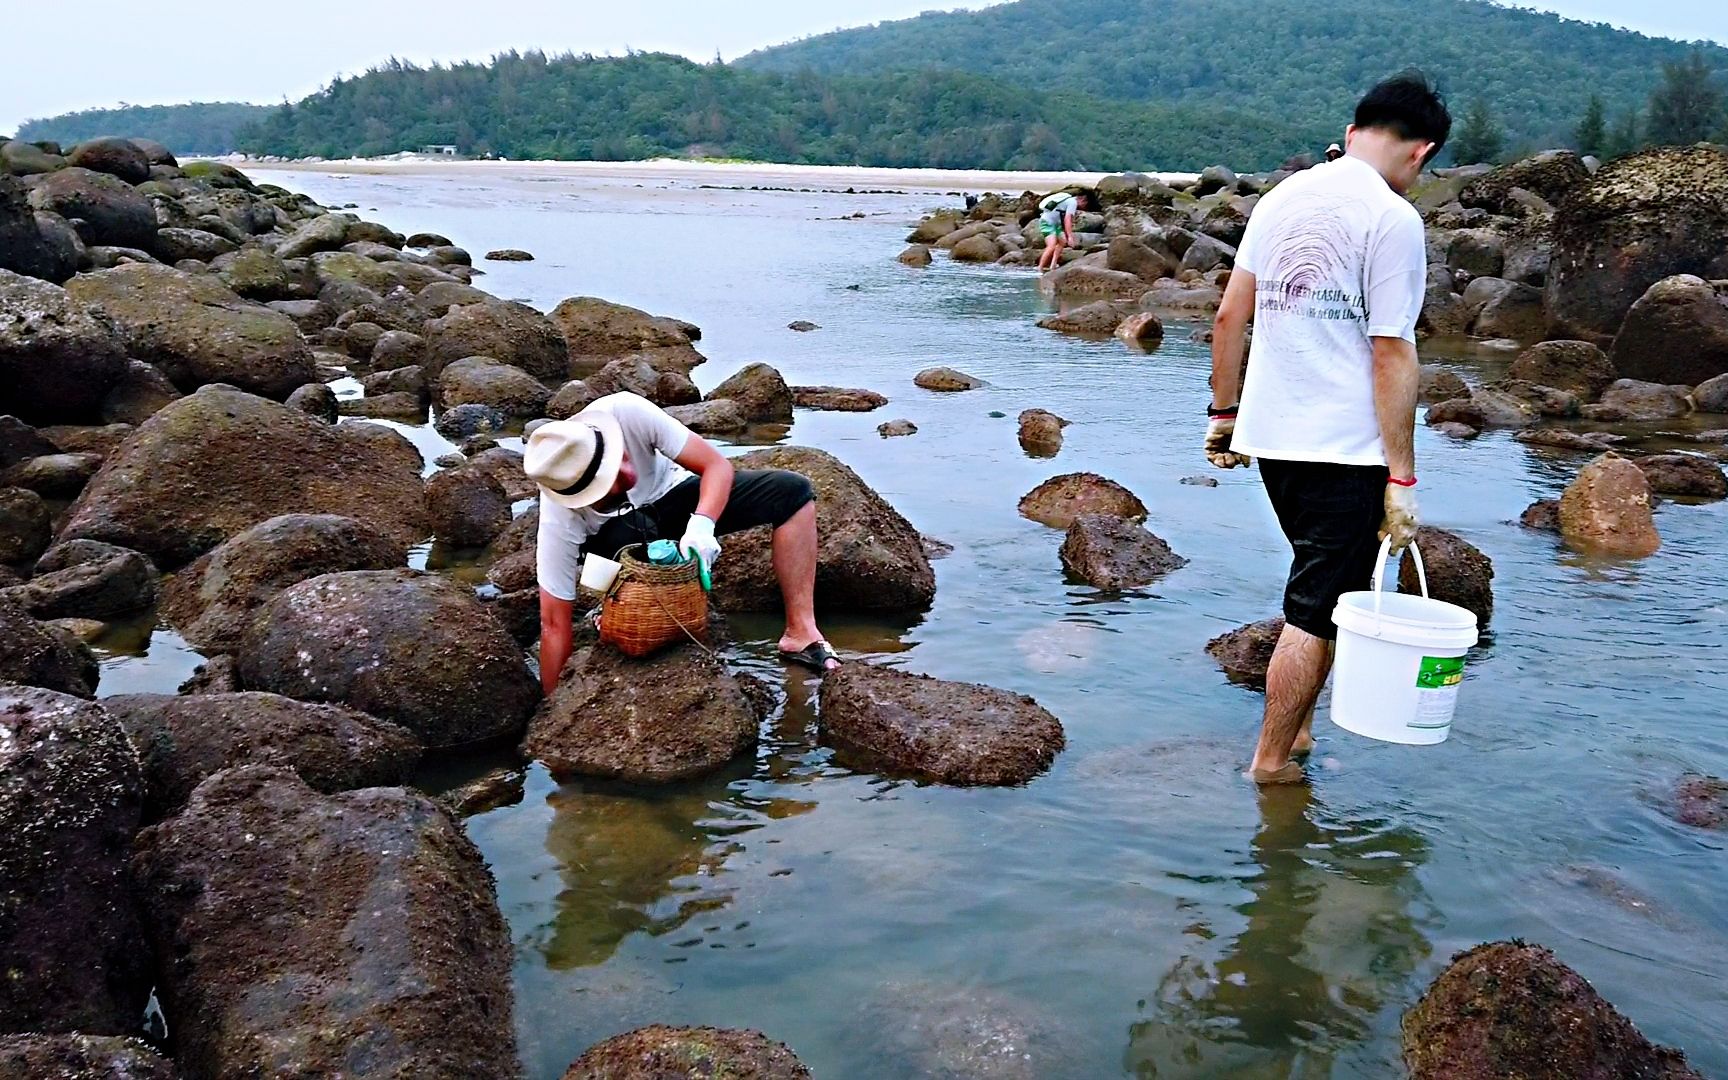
{"points": [[646, 105], [1305, 60], [199, 128]]}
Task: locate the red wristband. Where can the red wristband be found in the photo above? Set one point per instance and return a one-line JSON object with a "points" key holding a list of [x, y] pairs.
{"points": [[1401, 483]]}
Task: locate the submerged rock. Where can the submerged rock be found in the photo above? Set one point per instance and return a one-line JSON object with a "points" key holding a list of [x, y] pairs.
{"points": [[893, 428], [673, 716], [916, 255], [1058, 501], [181, 740], [949, 732], [1099, 318], [1701, 801], [81, 1057], [1111, 553], [1542, 515], [181, 484], [69, 804], [1507, 1009], [836, 399], [304, 934], [1141, 328], [212, 601], [1246, 652], [1458, 573], [946, 380], [1684, 474], [409, 647], [509, 255], [659, 1052], [1606, 510], [1041, 432], [869, 557]]}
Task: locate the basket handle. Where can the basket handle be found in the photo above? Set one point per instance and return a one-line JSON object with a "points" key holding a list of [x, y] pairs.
{"points": [[1380, 572]]}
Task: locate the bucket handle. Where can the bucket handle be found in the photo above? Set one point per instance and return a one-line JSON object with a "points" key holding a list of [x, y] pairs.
{"points": [[1380, 572]]}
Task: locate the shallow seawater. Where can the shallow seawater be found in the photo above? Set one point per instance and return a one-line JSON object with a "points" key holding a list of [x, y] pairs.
{"points": [[1141, 910]]}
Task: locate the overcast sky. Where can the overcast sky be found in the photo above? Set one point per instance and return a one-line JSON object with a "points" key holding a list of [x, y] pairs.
{"points": [[168, 51]]}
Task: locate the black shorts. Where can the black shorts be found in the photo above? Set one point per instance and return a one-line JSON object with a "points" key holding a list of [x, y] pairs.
{"points": [[759, 497], [1331, 515]]}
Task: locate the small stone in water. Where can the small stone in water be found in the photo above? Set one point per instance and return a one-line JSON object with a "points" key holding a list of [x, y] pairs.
{"points": [[1200, 481]]}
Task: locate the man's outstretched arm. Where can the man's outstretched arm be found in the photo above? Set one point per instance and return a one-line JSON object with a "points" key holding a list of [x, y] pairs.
{"points": [[555, 638]]}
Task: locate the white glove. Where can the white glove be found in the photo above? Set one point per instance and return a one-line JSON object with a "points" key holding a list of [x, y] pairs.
{"points": [[1219, 430], [699, 541], [1401, 520]]}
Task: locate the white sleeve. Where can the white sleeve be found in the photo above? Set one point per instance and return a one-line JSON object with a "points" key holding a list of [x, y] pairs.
{"points": [[558, 549], [1396, 274], [1248, 252], [663, 433]]}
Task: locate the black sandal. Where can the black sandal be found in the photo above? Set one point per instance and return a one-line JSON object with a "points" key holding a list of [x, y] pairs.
{"points": [[814, 656]]}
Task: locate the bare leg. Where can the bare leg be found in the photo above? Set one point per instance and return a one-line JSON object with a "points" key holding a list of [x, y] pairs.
{"points": [[1299, 668], [795, 569], [1305, 738], [1052, 252]]}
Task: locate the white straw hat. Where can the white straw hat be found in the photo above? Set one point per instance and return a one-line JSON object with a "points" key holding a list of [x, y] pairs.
{"points": [[575, 461]]}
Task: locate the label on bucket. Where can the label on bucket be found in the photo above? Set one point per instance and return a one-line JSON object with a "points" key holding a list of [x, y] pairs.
{"points": [[1437, 682]]}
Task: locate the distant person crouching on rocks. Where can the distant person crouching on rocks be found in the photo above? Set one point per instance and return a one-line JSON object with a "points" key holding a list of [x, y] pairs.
{"points": [[1334, 152], [619, 473], [1056, 223], [1331, 272]]}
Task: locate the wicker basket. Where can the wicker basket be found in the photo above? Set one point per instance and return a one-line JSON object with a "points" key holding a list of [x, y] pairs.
{"points": [[650, 607]]}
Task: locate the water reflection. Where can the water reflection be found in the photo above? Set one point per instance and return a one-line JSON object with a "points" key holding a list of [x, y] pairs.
{"points": [[1329, 941], [643, 861]]}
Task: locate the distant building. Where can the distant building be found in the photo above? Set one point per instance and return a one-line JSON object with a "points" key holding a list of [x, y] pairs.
{"points": [[439, 149]]}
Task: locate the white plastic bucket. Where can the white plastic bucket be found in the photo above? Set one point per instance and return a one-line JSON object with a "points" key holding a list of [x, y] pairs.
{"points": [[1400, 661], [598, 573]]}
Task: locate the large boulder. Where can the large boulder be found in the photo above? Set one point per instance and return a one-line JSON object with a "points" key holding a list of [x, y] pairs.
{"points": [[57, 361], [716, 416], [1577, 366], [87, 579], [869, 558], [1132, 255], [197, 330], [182, 483], [256, 274], [1061, 500], [117, 157], [182, 739], [1512, 313], [599, 331], [304, 934], [946, 380], [481, 380], [509, 332], [1684, 474], [1111, 553], [326, 232], [1551, 175], [673, 716], [1097, 319], [27, 159], [1477, 252], [412, 648], [1640, 219], [467, 507], [107, 211], [949, 732], [24, 248], [659, 1052], [212, 601], [760, 392], [26, 526], [1711, 395], [1458, 572], [141, 393], [1084, 280], [980, 248], [1246, 652], [70, 792], [1630, 399], [53, 476], [837, 399], [173, 245], [1507, 1009], [1677, 332], [81, 1057], [1606, 510], [36, 654], [664, 386]]}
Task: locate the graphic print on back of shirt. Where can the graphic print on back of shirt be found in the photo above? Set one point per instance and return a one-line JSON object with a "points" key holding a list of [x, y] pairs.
{"points": [[1314, 265]]}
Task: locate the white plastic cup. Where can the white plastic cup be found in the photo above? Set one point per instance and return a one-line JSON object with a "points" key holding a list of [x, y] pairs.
{"points": [[1400, 661], [599, 572]]}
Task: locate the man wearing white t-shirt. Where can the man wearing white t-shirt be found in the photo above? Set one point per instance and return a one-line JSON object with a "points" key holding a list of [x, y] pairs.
{"points": [[1331, 272], [622, 472]]}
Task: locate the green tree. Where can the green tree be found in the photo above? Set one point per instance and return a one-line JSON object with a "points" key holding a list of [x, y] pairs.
{"points": [[1687, 106], [1591, 137], [1624, 138], [1480, 139]]}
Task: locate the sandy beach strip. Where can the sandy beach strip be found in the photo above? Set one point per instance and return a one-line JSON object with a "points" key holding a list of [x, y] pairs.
{"points": [[718, 173]]}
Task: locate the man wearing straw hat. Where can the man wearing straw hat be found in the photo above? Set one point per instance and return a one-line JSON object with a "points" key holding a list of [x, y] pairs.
{"points": [[623, 472], [1332, 273]]}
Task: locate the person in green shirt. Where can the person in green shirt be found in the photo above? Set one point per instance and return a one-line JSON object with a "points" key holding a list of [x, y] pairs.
{"points": [[1056, 223]]}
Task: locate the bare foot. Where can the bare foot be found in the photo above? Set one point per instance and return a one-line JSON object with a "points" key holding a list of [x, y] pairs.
{"points": [[1289, 773]]}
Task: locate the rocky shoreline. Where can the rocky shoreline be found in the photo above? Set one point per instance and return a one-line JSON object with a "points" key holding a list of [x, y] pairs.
{"points": [[248, 849]]}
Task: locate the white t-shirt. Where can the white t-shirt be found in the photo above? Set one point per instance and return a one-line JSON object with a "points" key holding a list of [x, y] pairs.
{"points": [[1338, 258], [652, 439], [1059, 205]]}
